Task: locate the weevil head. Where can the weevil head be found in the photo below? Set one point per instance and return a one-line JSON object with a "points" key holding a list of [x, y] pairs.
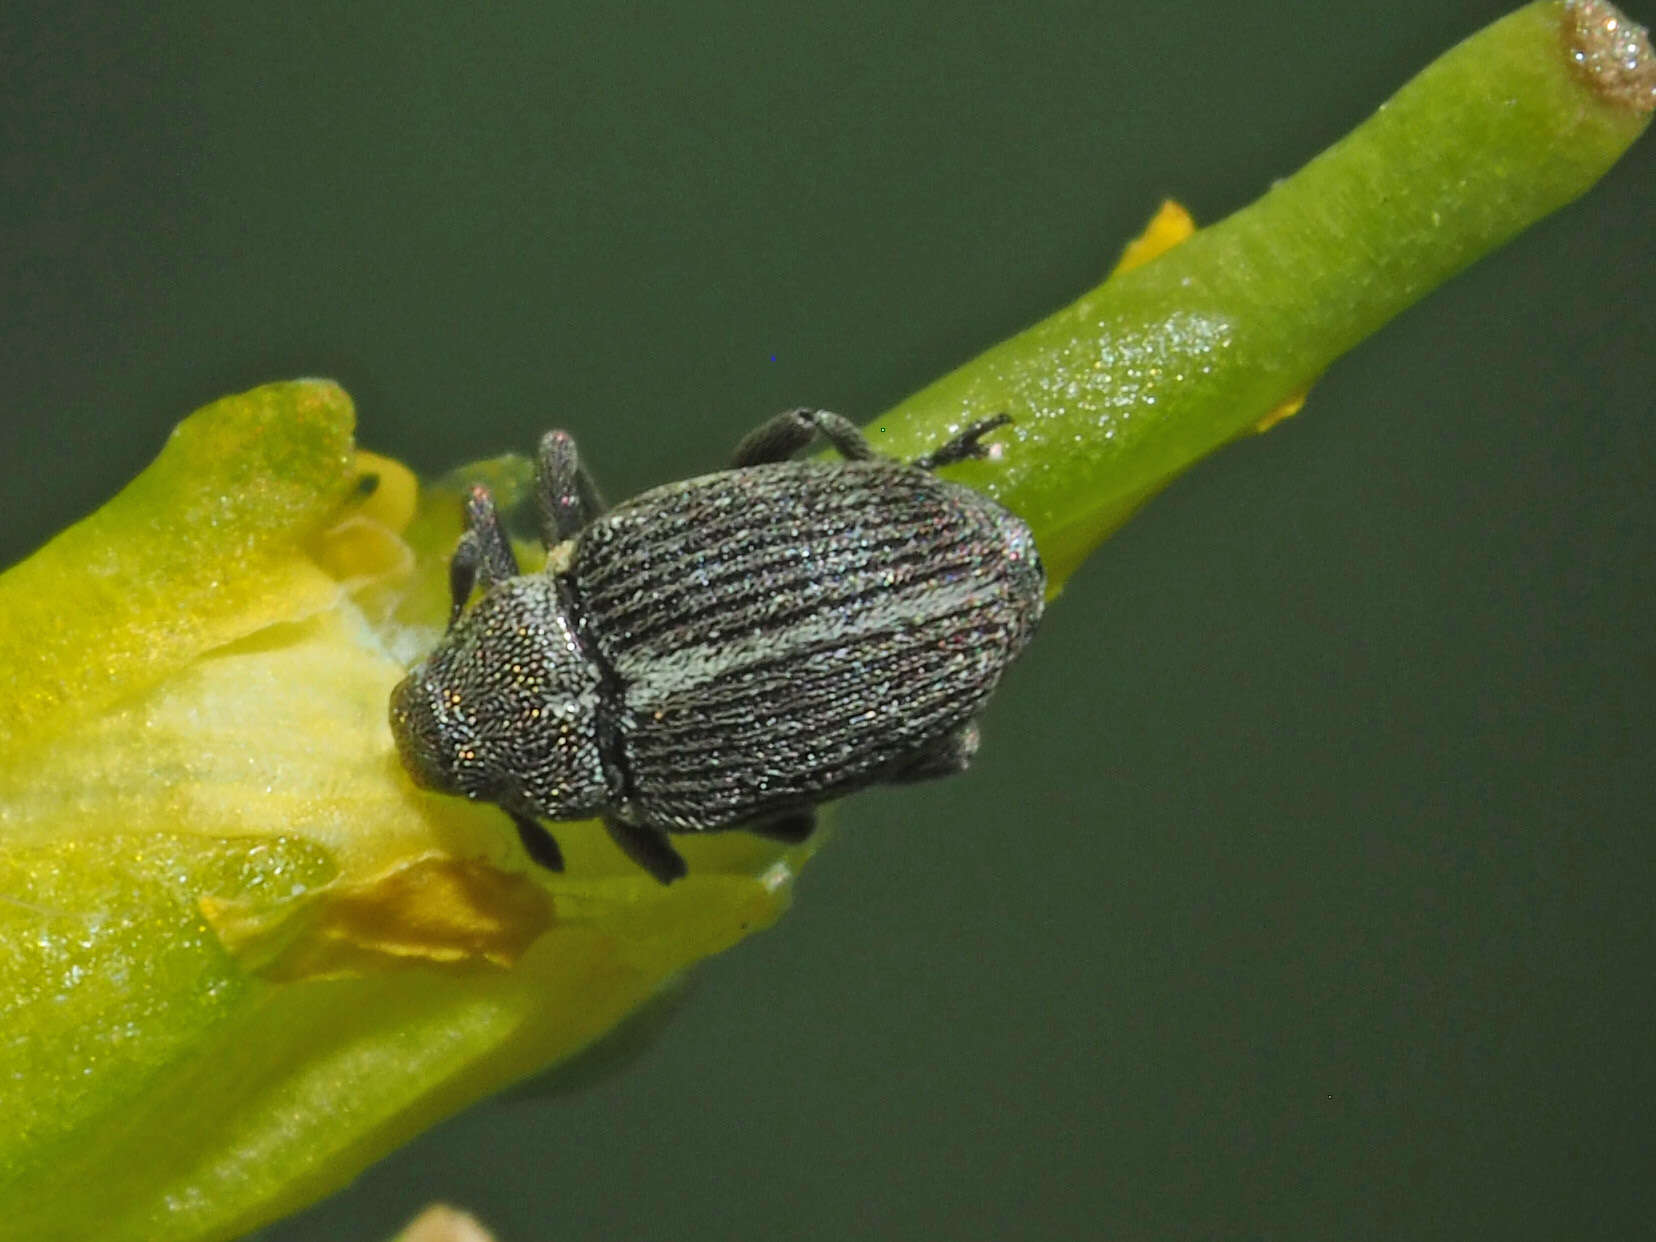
{"points": [[505, 709]]}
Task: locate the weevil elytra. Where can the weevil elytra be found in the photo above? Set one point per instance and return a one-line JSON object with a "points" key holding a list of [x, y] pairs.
{"points": [[724, 652]]}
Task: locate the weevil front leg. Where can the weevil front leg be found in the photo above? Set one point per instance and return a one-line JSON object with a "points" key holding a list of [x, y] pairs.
{"points": [[779, 438], [483, 555], [967, 444], [567, 496]]}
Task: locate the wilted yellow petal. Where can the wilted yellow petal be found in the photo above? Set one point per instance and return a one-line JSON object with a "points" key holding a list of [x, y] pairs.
{"points": [[1167, 228], [433, 910], [1292, 406]]}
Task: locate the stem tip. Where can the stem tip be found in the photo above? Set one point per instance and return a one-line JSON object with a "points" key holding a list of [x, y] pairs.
{"points": [[1612, 53]]}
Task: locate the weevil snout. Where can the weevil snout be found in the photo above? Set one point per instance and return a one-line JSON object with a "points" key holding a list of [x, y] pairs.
{"points": [[415, 727]]}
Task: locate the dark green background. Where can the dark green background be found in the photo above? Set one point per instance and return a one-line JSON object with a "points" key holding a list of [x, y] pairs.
{"points": [[1303, 887]]}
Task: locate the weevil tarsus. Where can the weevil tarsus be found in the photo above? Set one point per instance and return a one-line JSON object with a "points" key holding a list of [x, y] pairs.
{"points": [[967, 444]]}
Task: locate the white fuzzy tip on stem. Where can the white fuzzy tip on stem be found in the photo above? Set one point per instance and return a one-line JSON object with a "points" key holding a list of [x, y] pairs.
{"points": [[1612, 53]]}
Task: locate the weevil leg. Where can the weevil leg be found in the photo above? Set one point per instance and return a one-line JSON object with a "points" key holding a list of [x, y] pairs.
{"points": [[648, 848], [949, 755], [538, 843], [483, 555], [967, 444], [567, 496], [779, 438], [789, 829], [462, 574]]}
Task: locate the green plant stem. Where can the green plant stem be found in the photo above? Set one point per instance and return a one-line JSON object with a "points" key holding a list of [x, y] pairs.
{"points": [[1120, 391], [165, 1087]]}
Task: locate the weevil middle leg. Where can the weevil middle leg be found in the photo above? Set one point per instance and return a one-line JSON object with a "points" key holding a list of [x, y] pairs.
{"points": [[779, 438], [648, 847]]}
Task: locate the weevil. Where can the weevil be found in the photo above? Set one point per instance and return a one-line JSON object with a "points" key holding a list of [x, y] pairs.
{"points": [[724, 652]]}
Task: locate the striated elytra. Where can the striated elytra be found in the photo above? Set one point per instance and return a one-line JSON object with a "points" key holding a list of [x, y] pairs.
{"points": [[724, 652]]}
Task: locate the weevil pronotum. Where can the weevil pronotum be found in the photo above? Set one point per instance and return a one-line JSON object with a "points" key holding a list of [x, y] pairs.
{"points": [[724, 652]]}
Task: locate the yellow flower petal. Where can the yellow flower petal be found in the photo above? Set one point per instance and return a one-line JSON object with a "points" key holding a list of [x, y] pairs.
{"points": [[241, 956]]}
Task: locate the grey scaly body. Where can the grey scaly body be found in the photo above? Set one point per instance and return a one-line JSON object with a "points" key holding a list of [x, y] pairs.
{"points": [[727, 651]]}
